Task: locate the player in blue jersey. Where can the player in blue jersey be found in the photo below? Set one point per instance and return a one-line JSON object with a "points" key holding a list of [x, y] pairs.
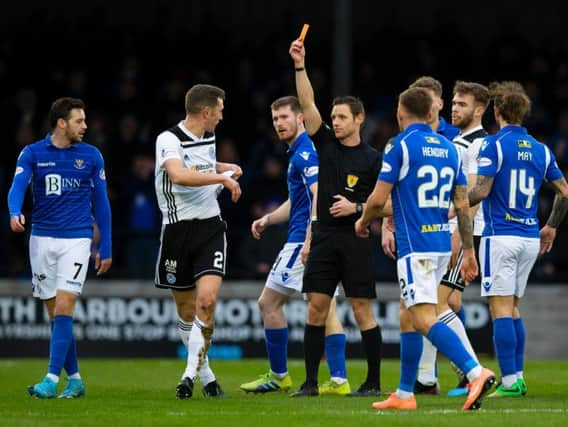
{"points": [[68, 184], [423, 171], [512, 165], [469, 103], [285, 278]]}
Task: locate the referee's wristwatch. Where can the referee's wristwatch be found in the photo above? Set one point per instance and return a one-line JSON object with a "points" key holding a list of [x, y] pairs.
{"points": [[359, 208]]}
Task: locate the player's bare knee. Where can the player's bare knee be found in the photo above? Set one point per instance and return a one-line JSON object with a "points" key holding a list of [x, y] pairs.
{"points": [[317, 313]]}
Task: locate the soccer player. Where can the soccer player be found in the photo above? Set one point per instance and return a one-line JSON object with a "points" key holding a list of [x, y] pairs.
{"points": [[470, 100], [285, 278], [436, 122], [511, 168], [191, 261], [68, 183], [423, 171], [347, 172]]}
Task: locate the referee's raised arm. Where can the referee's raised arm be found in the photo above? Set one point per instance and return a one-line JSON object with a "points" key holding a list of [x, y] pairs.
{"points": [[312, 116]]}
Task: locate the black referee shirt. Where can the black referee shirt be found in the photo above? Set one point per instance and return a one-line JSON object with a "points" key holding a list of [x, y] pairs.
{"points": [[349, 171]]}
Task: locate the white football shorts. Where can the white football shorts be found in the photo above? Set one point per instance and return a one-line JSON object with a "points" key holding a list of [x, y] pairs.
{"points": [[58, 264], [506, 262], [286, 274], [419, 275]]}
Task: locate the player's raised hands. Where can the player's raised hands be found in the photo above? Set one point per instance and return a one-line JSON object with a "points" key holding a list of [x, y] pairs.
{"points": [[17, 223]]}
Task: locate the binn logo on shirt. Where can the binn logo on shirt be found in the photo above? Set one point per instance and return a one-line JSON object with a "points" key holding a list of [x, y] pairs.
{"points": [[55, 184]]}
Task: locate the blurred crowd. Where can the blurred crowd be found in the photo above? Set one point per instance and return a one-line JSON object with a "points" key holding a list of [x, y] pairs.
{"points": [[134, 83]]}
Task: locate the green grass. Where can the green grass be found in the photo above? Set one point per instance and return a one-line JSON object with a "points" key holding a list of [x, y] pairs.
{"points": [[142, 393]]}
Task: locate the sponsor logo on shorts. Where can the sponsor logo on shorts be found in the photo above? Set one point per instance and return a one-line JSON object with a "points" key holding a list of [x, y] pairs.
{"points": [[171, 266], [285, 276], [486, 285], [171, 278]]}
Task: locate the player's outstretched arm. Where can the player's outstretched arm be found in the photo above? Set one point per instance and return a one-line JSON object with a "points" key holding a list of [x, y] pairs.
{"points": [[469, 268], [304, 89]]}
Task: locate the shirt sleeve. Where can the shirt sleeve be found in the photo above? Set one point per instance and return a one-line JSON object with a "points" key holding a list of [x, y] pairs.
{"points": [[461, 179], [22, 177], [392, 162], [471, 155], [322, 137], [307, 163], [487, 160], [167, 147], [553, 172], [102, 207]]}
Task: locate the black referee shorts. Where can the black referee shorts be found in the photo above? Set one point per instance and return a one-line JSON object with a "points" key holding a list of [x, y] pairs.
{"points": [[452, 278], [190, 249], [338, 255]]}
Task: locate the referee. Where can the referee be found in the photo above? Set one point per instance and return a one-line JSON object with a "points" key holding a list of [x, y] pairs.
{"points": [[347, 174]]}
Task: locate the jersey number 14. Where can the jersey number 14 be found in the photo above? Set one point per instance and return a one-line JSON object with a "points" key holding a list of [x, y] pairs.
{"points": [[524, 184]]}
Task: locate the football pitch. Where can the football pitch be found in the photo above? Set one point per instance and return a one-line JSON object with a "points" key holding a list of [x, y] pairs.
{"points": [[141, 392]]}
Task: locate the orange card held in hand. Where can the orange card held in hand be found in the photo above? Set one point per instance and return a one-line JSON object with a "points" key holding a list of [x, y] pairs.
{"points": [[303, 33]]}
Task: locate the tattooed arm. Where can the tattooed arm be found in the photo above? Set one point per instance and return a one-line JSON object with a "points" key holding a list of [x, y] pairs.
{"points": [[481, 189], [469, 268], [559, 209]]}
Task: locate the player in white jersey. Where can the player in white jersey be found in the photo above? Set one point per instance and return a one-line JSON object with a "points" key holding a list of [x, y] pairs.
{"points": [[423, 172], [470, 100], [512, 166], [191, 261]]}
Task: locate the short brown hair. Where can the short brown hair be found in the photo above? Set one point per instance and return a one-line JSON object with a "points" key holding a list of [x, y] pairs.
{"points": [[427, 82], [61, 109], [201, 96], [354, 104], [479, 92], [416, 101], [285, 101], [512, 101]]}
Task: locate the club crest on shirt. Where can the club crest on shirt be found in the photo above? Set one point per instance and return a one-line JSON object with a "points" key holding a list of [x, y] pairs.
{"points": [[79, 164], [352, 180]]}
